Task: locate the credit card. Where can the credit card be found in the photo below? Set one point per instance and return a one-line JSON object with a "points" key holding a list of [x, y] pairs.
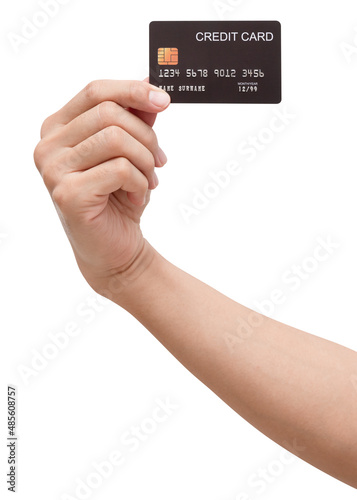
{"points": [[217, 61]]}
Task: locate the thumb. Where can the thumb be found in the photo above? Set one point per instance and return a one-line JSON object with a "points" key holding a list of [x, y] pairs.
{"points": [[146, 117]]}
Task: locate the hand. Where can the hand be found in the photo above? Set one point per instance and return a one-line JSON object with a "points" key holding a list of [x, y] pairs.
{"points": [[97, 157]]}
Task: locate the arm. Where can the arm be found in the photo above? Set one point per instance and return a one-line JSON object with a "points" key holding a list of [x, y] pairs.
{"points": [[97, 156], [298, 389]]}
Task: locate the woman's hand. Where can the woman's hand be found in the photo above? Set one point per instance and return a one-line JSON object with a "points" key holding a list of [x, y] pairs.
{"points": [[97, 157]]}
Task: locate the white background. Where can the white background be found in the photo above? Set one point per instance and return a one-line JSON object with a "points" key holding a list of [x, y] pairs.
{"points": [[299, 188]]}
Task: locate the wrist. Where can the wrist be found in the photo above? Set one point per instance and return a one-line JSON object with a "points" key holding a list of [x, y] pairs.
{"points": [[120, 287]]}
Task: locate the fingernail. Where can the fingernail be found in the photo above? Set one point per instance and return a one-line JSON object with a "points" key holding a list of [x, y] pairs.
{"points": [[143, 200], [162, 157], [159, 98], [155, 180]]}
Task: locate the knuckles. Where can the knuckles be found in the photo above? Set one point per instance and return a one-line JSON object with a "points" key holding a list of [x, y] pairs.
{"points": [[109, 115], [92, 90], [112, 136], [123, 170], [108, 112], [46, 126], [137, 91], [82, 150], [59, 196], [45, 163], [42, 153], [65, 193], [39, 155], [49, 178]]}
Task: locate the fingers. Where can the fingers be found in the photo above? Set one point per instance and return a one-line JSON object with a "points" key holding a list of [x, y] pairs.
{"points": [[117, 174], [85, 189], [127, 93], [146, 117], [104, 115], [107, 144], [99, 134]]}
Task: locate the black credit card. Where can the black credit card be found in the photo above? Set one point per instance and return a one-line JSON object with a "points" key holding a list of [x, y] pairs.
{"points": [[217, 61]]}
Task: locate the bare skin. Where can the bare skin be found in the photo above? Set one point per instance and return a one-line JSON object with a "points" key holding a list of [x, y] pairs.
{"points": [[97, 156]]}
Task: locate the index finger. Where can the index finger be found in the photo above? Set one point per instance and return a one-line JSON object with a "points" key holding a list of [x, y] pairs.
{"points": [[127, 93]]}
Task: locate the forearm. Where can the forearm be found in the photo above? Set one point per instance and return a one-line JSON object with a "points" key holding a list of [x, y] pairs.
{"points": [[294, 387]]}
